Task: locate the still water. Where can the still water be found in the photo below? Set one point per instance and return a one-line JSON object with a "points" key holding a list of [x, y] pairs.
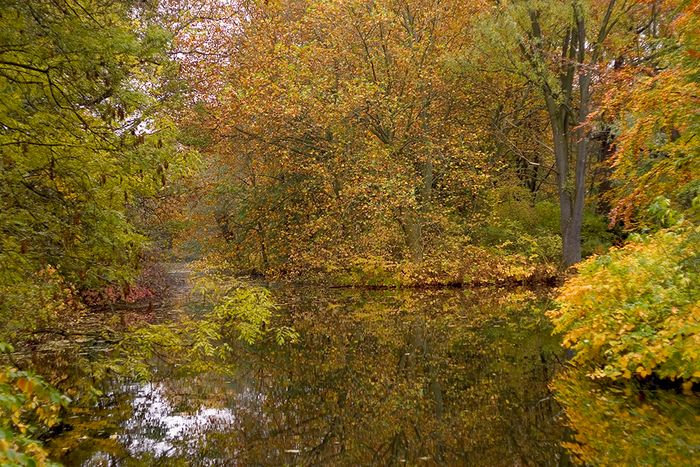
{"points": [[378, 377]]}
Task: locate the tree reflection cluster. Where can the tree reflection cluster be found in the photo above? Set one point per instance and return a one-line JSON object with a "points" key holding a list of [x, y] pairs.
{"points": [[377, 377]]}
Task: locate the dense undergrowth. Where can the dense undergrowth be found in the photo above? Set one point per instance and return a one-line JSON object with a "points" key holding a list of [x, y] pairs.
{"points": [[635, 311]]}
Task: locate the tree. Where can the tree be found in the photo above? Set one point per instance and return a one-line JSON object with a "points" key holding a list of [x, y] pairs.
{"points": [[653, 100], [340, 131], [561, 48], [81, 88], [631, 315]]}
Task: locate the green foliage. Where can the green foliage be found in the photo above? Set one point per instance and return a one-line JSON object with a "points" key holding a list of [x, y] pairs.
{"points": [[42, 302], [596, 234], [28, 408], [636, 310], [516, 225], [84, 140], [660, 211], [199, 343], [84, 148], [241, 311], [73, 150]]}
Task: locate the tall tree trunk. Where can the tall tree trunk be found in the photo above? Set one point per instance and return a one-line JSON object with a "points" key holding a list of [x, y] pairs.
{"points": [[560, 105], [572, 254], [570, 203]]}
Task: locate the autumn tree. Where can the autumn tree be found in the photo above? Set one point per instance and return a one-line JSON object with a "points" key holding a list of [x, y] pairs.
{"points": [[653, 100], [341, 130], [631, 315]]}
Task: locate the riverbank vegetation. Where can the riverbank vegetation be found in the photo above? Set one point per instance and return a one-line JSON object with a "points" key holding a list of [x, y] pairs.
{"points": [[354, 143]]}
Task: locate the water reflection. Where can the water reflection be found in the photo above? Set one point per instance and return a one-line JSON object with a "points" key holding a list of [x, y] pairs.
{"points": [[629, 424], [379, 377], [157, 426]]}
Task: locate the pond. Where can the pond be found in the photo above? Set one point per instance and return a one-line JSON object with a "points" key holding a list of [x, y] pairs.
{"points": [[377, 377]]}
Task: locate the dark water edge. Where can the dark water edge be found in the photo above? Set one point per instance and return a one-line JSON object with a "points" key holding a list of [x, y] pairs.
{"points": [[378, 377]]}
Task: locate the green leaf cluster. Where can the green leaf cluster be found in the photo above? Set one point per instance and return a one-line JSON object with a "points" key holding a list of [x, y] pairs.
{"points": [[28, 408], [81, 139], [237, 313]]}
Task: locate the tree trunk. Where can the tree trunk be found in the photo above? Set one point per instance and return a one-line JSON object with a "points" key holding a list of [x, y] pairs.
{"points": [[571, 186], [571, 240], [411, 225], [570, 208], [572, 244]]}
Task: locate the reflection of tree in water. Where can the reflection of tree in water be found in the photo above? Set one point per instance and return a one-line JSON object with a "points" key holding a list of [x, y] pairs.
{"points": [[446, 377], [159, 427], [386, 378], [650, 426]]}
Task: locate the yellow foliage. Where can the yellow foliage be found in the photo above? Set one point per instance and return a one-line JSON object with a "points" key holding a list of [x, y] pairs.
{"points": [[636, 311]]}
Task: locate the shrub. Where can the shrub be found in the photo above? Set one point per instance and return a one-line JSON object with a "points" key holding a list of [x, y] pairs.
{"points": [[635, 311]]}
